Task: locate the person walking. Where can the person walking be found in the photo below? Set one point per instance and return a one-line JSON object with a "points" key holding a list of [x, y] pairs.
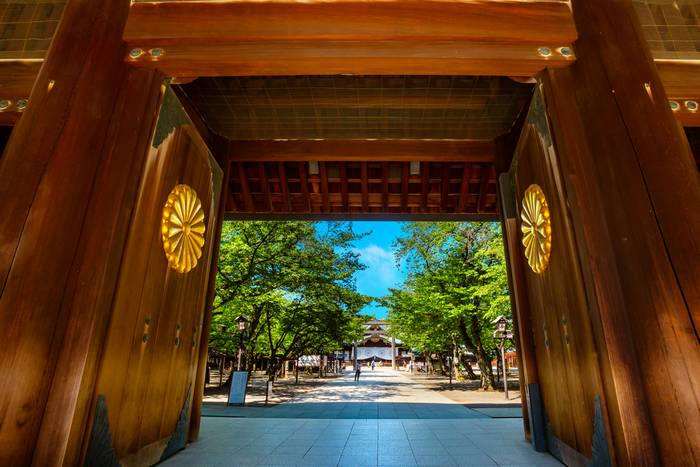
{"points": [[358, 368], [373, 365]]}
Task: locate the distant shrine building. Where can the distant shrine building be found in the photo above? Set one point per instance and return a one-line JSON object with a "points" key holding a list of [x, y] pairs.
{"points": [[377, 345]]}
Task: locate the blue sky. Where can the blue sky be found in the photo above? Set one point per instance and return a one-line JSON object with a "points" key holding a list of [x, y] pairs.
{"points": [[376, 253]]}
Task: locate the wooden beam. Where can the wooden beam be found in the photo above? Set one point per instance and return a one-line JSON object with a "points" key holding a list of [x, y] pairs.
{"points": [[363, 150], [323, 173], [284, 186], [364, 178], [445, 187], [464, 189], [681, 80], [405, 174], [425, 175], [264, 185], [355, 57], [303, 180], [286, 37], [16, 81], [385, 185], [485, 173], [245, 188], [509, 21], [344, 186], [228, 199], [17, 78]]}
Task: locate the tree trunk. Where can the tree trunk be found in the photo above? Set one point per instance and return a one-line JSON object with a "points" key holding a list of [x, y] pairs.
{"points": [[272, 368], [484, 363], [482, 356], [467, 366]]}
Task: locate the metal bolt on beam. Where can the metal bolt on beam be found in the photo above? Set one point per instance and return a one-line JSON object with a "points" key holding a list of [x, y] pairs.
{"points": [[135, 53]]}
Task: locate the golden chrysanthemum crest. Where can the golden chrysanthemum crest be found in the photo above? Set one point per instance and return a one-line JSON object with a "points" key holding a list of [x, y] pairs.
{"points": [[536, 227], [182, 228]]}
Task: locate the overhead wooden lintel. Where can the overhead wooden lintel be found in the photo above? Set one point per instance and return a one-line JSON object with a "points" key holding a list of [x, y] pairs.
{"points": [[506, 20], [681, 80], [237, 38], [362, 150], [405, 57], [17, 78]]}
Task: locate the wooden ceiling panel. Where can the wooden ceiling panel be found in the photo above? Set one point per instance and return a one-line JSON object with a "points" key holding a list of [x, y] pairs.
{"points": [[358, 107], [27, 27], [671, 27]]}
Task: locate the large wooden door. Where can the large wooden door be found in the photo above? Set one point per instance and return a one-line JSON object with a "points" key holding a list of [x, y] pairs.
{"points": [[567, 369], [145, 382]]}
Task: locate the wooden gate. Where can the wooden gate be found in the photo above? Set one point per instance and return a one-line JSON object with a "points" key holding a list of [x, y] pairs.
{"points": [[561, 337], [145, 384]]}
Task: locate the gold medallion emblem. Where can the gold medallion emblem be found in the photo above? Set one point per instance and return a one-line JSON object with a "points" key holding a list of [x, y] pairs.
{"points": [[536, 228], [182, 228]]}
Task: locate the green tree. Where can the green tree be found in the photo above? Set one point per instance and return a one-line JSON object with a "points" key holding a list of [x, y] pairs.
{"points": [[295, 283], [456, 285]]}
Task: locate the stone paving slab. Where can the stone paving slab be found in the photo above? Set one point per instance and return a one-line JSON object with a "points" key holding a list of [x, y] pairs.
{"points": [[237, 442], [348, 410], [384, 420]]}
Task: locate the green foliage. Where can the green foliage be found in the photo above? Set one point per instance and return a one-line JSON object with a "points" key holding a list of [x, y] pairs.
{"points": [[294, 281], [456, 286]]}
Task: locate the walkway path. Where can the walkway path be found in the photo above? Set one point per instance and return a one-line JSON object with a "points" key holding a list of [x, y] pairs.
{"points": [[385, 419]]}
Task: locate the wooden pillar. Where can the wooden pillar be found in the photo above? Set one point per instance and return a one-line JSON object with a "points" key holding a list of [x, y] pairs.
{"points": [[68, 179], [633, 192]]}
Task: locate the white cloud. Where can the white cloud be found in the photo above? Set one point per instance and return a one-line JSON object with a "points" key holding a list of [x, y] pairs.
{"points": [[381, 272]]}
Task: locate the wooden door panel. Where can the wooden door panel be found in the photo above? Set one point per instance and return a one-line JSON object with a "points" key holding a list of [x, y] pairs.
{"points": [[149, 363], [568, 371]]}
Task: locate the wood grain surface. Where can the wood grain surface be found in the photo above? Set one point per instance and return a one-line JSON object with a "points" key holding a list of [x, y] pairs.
{"points": [[287, 38], [67, 180], [631, 183]]}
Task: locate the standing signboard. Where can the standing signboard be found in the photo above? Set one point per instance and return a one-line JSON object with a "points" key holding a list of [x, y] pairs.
{"points": [[239, 385]]}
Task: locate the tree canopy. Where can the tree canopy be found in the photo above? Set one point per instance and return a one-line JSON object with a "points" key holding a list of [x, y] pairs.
{"points": [[294, 282], [455, 287]]}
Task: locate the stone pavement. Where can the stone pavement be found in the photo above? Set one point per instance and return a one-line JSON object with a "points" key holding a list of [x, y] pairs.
{"points": [[384, 420]]}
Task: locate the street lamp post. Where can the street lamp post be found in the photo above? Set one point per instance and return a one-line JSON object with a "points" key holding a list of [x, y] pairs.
{"points": [[242, 325], [504, 335]]}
